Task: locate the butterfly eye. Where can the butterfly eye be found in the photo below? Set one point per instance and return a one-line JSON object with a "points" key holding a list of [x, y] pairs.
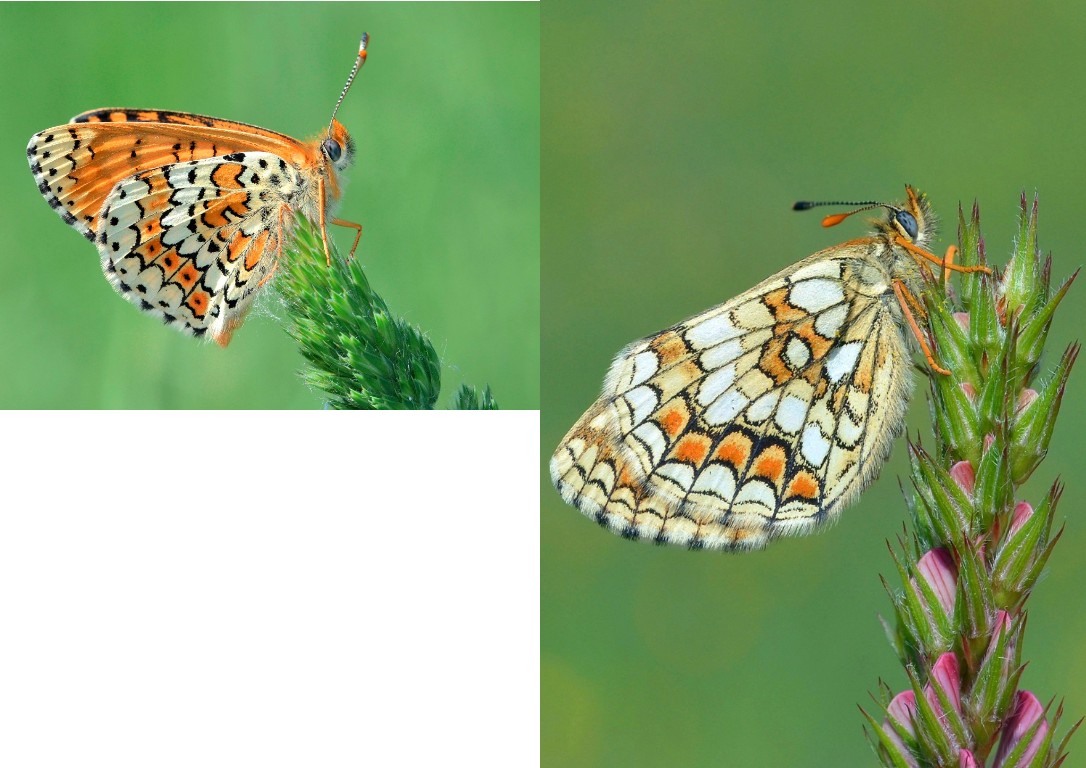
{"points": [[332, 149], [907, 222]]}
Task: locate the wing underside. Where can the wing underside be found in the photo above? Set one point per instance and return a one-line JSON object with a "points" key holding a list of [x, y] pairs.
{"points": [[759, 418]]}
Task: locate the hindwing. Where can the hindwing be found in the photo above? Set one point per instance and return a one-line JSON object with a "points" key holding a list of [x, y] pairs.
{"points": [[190, 242]]}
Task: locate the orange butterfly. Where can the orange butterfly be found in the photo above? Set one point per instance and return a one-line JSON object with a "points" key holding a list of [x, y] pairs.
{"points": [[190, 213]]}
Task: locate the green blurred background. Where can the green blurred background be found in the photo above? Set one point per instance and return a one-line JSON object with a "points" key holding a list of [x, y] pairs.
{"points": [[445, 116], [675, 138]]}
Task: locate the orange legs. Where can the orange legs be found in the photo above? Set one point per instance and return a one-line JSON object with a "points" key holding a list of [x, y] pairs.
{"points": [[907, 300], [340, 222], [947, 262], [357, 237], [902, 292]]}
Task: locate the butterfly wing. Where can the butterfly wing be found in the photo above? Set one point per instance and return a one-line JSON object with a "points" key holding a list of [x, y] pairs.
{"points": [[77, 165], [123, 115], [191, 241], [761, 417], [182, 207]]}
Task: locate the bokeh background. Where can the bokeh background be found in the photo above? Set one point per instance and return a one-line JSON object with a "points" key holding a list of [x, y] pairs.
{"points": [[445, 116], [675, 138]]}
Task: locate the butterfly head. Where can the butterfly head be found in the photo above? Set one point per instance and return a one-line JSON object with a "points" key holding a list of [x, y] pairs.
{"points": [[912, 221], [337, 147]]}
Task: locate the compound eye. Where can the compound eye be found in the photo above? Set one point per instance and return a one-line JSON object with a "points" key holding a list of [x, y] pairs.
{"points": [[907, 222], [333, 150]]}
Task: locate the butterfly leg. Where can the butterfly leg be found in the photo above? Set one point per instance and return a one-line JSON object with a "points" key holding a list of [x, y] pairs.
{"points": [[357, 237], [901, 292], [947, 262], [324, 229], [915, 303]]}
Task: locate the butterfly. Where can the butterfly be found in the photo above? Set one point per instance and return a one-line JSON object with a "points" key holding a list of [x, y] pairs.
{"points": [[767, 415], [190, 214]]}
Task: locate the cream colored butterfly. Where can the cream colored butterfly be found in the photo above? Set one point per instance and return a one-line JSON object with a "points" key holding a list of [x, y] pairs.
{"points": [[767, 415]]}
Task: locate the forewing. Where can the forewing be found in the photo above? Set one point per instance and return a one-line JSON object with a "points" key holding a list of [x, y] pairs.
{"points": [[77, 165], [761, 417], [125, 115], [190, 242]]}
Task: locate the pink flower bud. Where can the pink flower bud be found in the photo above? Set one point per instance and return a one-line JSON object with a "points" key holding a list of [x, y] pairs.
{"points": [[945, 674], [937, 568], [1023, 511], [969, 390], [963, 320], [988, 440], [966, 759], [1025, 397], [902, 710], [1027, 711], [963, 475]]}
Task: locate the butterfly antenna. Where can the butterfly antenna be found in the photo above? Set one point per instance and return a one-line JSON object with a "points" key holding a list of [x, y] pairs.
{"points": [[357, 66], [837, 218]]}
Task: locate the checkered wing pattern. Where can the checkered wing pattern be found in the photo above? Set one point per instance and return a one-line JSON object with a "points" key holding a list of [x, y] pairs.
{"points": [[190, 212], [190, 242], [761, 417], [188, 217]]}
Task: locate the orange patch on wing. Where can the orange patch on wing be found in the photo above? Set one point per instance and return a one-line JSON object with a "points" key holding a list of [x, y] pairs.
{"points": [[673, 421], [838, 400], [169, 261], [236, 246], [783, 312], [252, 258], [238, 205], [771, 362], [197, 302], [692, 448], [213, 217], [157, 201], [187, 276], [226, 175], [151, 250], [804, 486], [770, 464], [670, 347], [864, 373], [205, 150], [734, 449]]}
